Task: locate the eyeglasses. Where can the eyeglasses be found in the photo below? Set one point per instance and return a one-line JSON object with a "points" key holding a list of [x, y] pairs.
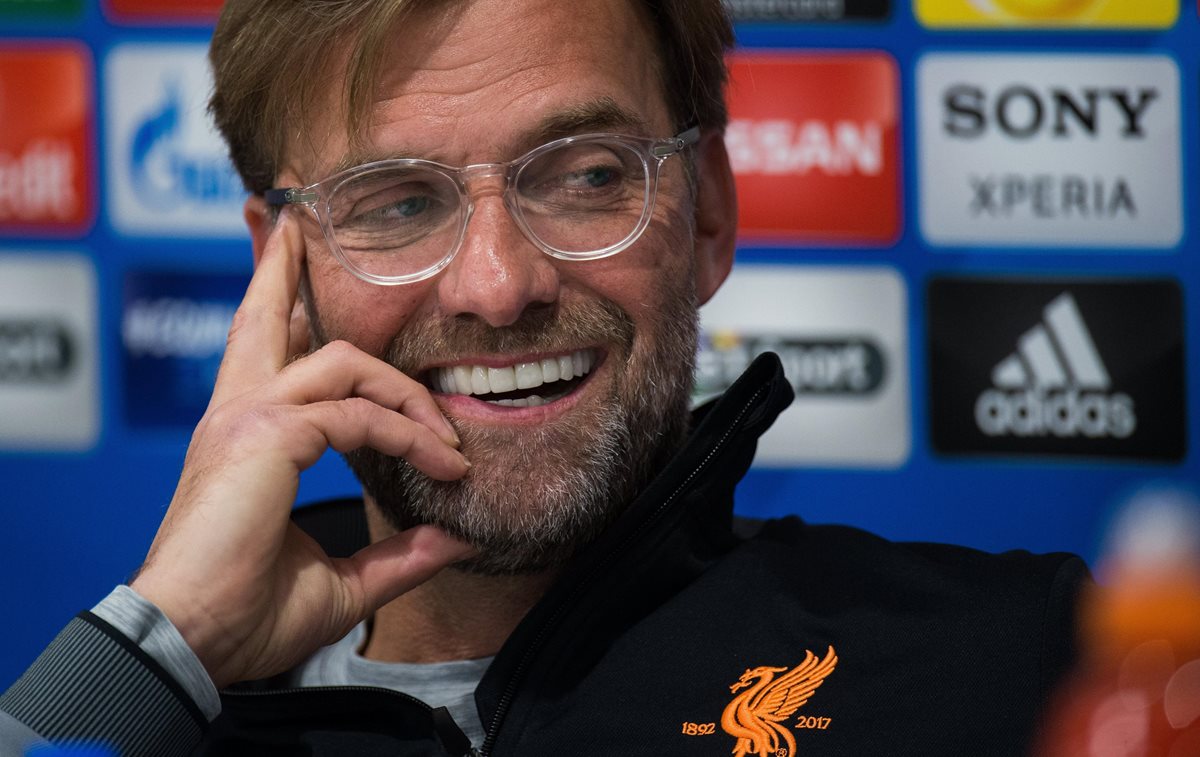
{"points": [[577, 198]]}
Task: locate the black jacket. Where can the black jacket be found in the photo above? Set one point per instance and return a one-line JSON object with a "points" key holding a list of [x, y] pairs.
{"points": [[936, 650]]}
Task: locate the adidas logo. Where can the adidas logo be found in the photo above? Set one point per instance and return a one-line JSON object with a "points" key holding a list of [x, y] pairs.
{"points": [[1055, 384]]}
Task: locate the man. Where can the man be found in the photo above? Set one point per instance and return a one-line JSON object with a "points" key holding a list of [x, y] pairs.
{"points": [[481, 232]]}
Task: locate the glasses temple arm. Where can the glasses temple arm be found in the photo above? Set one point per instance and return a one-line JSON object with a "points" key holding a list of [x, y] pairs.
{"points": [[292, 195], [673, 145]]}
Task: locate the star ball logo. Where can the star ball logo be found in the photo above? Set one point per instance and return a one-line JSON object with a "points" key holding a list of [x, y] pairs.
{"points": [[1077, 368], [1052, 13]]}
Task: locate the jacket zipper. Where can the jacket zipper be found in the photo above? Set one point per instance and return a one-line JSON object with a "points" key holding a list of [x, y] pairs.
{"points": [[509, 692]]}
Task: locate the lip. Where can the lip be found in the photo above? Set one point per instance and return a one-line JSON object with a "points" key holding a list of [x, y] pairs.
{"points": [[468, 408]]}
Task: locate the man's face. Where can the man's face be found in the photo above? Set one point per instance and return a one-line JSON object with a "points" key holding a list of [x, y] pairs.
{"points": [[482, 83]]}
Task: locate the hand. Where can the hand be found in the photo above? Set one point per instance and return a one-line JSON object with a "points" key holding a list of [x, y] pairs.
{"points": [[251, 593]]}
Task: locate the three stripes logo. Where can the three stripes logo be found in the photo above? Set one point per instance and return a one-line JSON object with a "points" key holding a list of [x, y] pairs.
{"points": [[1061, 368], [1055, 384]]}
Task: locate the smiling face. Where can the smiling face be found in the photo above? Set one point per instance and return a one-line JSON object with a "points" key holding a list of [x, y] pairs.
{"points": [[568, 381]]}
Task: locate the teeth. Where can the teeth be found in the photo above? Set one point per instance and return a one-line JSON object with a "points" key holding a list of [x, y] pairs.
{"points": [[479, 382], [478, 379], [502, 379], [532, 400], [528, 375], [460, 375]]}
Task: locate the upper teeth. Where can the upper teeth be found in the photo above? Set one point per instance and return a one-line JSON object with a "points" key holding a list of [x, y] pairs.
{"points": [[479, 379]]}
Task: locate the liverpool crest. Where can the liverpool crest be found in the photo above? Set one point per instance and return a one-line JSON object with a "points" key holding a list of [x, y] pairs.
{"points": [[757, 717]]}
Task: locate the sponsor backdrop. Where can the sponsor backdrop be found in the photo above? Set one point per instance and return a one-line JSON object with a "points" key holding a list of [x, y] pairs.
{"points": [[968, 228]]}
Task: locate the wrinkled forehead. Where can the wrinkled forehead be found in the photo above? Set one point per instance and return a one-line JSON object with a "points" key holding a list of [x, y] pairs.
{"points": [[485, 81]]}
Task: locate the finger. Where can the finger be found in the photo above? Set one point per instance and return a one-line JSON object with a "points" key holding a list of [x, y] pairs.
{"points": [[298, 333], [388, 568], [340, 370], [257, 346], [357, 422]]}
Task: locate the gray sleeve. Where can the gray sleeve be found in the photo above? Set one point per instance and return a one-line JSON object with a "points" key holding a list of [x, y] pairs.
{"points": [[94, 685], [145, 625], [15, 737]]}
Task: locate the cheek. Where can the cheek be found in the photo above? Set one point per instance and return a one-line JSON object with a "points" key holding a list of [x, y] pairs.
{"points": [[660, 266], [366, 315], [653, 282]]}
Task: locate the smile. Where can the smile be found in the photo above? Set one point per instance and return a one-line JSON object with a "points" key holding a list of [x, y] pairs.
{"points": [[523, 384]]}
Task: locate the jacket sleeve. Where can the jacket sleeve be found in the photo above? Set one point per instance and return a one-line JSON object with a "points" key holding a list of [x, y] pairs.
{"points": [[95, 685]]}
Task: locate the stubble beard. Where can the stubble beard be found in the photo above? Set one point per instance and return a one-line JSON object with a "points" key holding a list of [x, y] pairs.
{"points": [[533, 497]]}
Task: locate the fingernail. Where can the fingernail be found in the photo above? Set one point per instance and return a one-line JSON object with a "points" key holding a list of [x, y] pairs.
{"points": [[465, 460], [454, 440]]}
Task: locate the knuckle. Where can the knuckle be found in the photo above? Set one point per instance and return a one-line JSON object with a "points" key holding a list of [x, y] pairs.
{"points": [[241, 318], [248, 315], [240, 424], [358, 408], [339, 349]]}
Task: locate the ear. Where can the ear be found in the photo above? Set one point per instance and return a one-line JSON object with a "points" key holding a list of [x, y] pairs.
{"points": [[716, 215], [260, 221]]}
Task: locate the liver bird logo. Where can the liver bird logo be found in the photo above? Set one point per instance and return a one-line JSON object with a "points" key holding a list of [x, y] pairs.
{"points": [[757, 716]]}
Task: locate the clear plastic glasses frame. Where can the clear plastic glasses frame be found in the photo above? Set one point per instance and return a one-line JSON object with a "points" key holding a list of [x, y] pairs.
{"points": [[320, 199]]}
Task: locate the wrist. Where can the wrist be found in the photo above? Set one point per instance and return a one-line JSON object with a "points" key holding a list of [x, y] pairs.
{"points": [[208, 640]]}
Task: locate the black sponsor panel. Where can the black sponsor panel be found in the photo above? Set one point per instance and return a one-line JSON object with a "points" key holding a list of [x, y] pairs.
{"points": [[173, 332], [807, 10], [1081, 368]]}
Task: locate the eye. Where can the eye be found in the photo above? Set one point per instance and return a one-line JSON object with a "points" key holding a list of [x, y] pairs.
{"points": [[589, 174], [406, 207], [599, 176], [409, 199]]}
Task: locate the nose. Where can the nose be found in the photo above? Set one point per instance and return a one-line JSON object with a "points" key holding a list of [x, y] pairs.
{"points": [[498, 273]]}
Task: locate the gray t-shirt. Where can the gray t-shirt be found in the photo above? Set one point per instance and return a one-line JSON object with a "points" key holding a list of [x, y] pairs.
{"points": [[440, 684]]}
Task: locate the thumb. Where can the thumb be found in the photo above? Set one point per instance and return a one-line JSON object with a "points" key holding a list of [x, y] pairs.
{"points": [[386, 569]]}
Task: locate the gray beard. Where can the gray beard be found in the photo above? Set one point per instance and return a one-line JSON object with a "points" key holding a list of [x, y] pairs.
{"points": [[533, 497]]}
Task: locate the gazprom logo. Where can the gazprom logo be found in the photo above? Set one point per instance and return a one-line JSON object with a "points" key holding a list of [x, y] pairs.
{"points": [[169, 171], [166, 170]]}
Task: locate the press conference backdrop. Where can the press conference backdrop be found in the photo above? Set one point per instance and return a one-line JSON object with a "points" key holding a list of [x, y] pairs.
{"points": [[967, 226]]}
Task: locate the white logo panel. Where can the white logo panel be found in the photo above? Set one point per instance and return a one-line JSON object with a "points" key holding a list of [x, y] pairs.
{"points": [[168, 169], [48, 363], [1072, 150], [841, 335]]}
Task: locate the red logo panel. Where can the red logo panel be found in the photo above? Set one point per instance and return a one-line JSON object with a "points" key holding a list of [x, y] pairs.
{"points": [[165, 10], [814, 144], [45, 138]]}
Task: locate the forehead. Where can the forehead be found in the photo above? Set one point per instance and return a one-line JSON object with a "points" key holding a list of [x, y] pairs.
{"points": [[485, 80]]}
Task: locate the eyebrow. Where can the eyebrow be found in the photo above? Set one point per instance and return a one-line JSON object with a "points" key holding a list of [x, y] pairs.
{"points": [[598, 115]]}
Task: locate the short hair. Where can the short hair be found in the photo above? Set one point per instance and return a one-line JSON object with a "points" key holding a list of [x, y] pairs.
{"points": [[271, 59]]}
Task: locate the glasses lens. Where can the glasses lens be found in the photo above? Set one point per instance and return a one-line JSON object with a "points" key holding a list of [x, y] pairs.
{"points": [[395, 221], [584, 196]]}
